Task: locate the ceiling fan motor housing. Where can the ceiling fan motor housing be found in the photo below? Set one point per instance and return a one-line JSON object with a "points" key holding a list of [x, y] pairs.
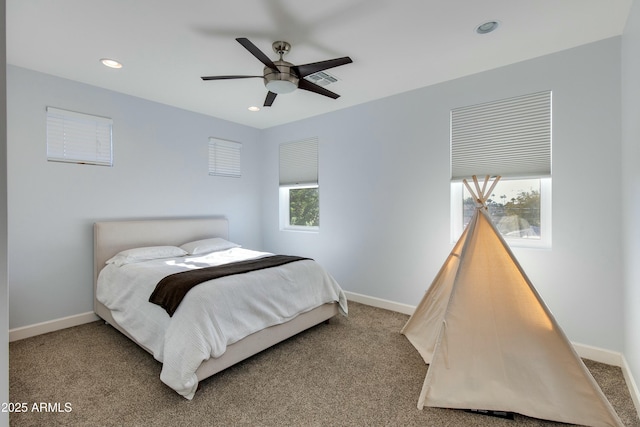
{"points": [[285, 81]]}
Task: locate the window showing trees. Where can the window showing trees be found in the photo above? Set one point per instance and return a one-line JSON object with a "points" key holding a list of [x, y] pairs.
{"points": [[299, 190], [519, 208], [514, 208], [304, 207]]}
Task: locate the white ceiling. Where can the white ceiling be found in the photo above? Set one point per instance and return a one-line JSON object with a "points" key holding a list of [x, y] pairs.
{"points": [[396, 45]]}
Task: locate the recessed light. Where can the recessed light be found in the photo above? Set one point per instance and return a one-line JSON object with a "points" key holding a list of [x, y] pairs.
{"points": [[254, 108], [111, 63], [487, 27]]}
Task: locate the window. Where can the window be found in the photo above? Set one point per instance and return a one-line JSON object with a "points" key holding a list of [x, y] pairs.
{"points": [[299, 191], [78, 138], [510, 138], [224, 157], [519, 208]]}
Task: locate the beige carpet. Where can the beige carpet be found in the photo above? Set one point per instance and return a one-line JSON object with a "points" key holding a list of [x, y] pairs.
{"points": [[355, 371]]}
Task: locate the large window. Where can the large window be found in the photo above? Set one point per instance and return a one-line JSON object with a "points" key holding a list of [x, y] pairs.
{"points": [[510, 138], [299, 190]]}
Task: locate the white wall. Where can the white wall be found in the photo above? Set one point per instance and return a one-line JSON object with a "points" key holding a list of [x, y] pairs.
{"points": [[384, 189], [160, 170], [631, 185], [4, 302]]}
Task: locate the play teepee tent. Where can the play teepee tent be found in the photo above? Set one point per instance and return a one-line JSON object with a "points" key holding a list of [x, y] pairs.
{"points": [[490, 341]]}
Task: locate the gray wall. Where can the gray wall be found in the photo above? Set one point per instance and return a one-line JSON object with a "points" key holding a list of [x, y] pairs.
{"points": [[384, 189], [631, 185], [160, 170]]}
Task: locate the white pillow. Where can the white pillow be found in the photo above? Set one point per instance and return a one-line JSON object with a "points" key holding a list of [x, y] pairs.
{"points": [[206, 246], [145, 254]]}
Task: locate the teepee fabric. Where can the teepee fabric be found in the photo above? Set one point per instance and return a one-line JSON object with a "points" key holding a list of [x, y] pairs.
{"points": [[492, 344]]}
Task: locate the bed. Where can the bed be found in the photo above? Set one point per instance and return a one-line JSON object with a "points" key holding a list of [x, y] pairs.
{"points": [[186, 359]]}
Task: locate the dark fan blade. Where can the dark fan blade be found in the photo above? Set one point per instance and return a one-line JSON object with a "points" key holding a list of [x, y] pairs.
{"points": [[257, 53], [228, 77], [306, 69], [269, 99], [312, 87]]}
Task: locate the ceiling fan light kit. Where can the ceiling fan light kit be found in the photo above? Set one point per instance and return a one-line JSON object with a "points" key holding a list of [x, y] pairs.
{"points": [[281, 77], [285, 80]]}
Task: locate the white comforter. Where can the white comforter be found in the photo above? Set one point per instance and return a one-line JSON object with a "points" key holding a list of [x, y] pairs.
{"points": [[213, 314]]}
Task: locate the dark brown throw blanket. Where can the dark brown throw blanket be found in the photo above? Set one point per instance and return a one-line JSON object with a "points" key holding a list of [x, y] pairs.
{"points": [[170, 291]]}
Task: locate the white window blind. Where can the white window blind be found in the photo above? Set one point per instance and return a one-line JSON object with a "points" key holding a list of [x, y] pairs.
{"points": [[78, 138], [224, 157], [510, 137], [299, 162]]}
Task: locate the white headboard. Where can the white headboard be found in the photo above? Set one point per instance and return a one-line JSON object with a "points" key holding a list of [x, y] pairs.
{"points": [[111, 237]]}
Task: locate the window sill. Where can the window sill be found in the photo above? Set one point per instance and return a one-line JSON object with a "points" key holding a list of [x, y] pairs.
{"points": [[313, 230]]}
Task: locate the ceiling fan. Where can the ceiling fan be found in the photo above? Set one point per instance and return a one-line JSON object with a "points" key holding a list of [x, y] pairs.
{"points": [[283, 77]]}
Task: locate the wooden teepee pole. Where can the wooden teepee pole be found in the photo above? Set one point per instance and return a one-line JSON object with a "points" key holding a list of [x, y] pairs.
{"points": [[473, 194], [480, 195], [495, 181]]}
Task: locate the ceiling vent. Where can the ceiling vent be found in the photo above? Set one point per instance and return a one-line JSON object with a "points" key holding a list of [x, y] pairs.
{"points": [[321, 78]]}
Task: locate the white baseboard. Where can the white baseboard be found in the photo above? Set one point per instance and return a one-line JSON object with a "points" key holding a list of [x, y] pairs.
{"points": [[613, 358], [597, 354], [51, 326], [631, 384], [380, 303]]}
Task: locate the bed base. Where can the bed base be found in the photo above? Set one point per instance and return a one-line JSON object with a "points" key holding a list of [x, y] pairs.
{"points": [[248, 346]]}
